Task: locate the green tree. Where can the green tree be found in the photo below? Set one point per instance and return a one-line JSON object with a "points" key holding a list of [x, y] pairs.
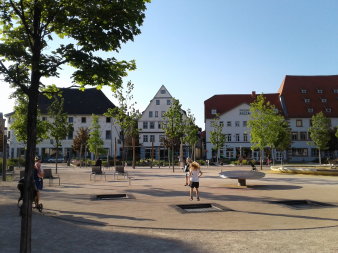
{"points": [[59, 126], [126, 116], [217, 137], [337, 133], [265, 125], [191, 131], [95, 143], [283, 140], [173, 126], [26, 54], [20, 122], [80, 141], [320, 132]]}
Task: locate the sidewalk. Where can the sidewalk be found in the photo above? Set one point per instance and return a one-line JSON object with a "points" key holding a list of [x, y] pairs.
{"points": [[149, 221]]}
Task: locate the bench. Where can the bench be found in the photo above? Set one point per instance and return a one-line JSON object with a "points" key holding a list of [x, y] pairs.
{"points": [[97, 170], [242, 175], [119, 170], [49, 175]]}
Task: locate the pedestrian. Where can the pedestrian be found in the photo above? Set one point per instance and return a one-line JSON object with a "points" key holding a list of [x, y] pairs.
{"points": [[195, 173], [38, 179], [186, 170], [99, 163]]}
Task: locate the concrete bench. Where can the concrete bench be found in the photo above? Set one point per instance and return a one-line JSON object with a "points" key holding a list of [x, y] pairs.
{"points": [[242, 175]]}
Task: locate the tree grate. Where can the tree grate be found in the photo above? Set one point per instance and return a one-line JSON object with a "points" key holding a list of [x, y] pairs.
{"points": [[201, 208], [302, 204], [111, 196]]}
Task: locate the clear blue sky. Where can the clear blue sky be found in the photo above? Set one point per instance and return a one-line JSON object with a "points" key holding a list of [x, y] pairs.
{"points": [[199, 48]]}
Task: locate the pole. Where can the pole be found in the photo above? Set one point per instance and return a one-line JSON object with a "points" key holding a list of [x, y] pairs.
{"points": [[4, 157], [115, 152]]}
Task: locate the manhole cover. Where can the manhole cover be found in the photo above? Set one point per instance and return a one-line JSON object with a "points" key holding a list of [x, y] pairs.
{"points": [[201, 208], [111, 196], [302, 204]]}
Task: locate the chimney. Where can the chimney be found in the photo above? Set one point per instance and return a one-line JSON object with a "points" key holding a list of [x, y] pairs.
{"points": [[253, 94]]}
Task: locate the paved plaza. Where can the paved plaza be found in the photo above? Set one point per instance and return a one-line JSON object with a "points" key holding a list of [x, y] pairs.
{"points": [[149, 219]]}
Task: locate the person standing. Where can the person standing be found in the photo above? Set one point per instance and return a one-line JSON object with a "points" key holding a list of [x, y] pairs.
{"points": [[195, 174], [38, 179], [186, 170]]}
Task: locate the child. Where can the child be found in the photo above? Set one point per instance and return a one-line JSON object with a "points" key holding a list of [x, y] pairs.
{"points": [[186, 170], [194, 174]]}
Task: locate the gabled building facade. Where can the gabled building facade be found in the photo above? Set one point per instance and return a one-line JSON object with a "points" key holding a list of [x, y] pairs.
{"points": [[79, 105], [298, 99]]}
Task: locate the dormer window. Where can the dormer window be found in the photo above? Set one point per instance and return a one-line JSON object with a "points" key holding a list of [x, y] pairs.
{"points": [[319, 91], [303, 91], [306, 100], [213, 111], [335, 91], [309, 109], [162, 91], [328, 109], [324, 100]]}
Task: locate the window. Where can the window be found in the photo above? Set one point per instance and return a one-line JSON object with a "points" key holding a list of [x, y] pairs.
{"points": [[145, 138], [221, 123], [162, 91], [306, 100], [324, 100], [162, 113], [314, 152], [108, 119], [319, 91], [70, 119], [310, 109], [299, 152], [162, 138], [83, 119], [294, 136], [335, 91], [9, 134], [159, 125], [168, 102], [228, 137], [108, 135], [152, 138], [303, 91], [245, 137], [237, 123], [44, 118], [213, 111], [152, 125], [229, 123], [244, 112], [299, 123], [237, 137], [303, 136], [70, 135], [150, 114], [328, 110], [145, 125], [244, 123], [156, 114], [157, 102]]}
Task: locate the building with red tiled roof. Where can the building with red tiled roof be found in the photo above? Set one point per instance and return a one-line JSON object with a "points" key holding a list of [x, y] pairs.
{"points": [[298, 99]]}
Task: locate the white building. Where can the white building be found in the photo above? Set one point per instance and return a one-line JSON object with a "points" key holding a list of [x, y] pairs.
{"points": [[79, 105]]}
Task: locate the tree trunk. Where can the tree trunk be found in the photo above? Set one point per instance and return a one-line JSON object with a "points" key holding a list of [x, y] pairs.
{"points": [[134, 152], [56, 157], [172, 157], [261, 158], [319, 156]]}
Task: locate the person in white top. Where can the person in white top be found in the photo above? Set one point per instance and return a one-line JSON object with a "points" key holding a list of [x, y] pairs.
{"points": [[195, 173]]}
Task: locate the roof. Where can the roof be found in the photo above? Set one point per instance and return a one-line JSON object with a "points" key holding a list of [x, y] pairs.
{"points": [[304, 96], [225, 103], [89, 101]]}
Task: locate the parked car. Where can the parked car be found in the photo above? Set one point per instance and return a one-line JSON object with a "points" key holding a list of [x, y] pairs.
{"points": [[53, 160]]}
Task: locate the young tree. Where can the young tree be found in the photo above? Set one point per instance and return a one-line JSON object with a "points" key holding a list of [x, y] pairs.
{"points": [[20, 122], [28, 30], [95, 143], [217, 137], [80, 141], [126, 116], [320, 132], [283, 140], [191, 131], [59, 127], [265, 125], [173, 126]]}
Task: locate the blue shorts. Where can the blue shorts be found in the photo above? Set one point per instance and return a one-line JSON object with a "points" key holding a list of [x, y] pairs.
{"points": [[194, 184], [39, 184]]}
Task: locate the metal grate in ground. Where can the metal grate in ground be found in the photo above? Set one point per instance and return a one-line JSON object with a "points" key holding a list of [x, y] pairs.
{"points": [[201, 208], [302, 204], [111, 196]]}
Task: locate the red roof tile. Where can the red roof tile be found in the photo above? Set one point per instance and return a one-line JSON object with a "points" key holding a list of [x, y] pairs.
{"points": [[224, 103], [301, 93]]}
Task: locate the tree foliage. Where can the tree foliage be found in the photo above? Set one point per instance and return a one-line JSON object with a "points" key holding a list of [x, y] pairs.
{"points": [[217, 137], [320, 132], [95, 143], [80, 140], [191, 131], [20, 122]]}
